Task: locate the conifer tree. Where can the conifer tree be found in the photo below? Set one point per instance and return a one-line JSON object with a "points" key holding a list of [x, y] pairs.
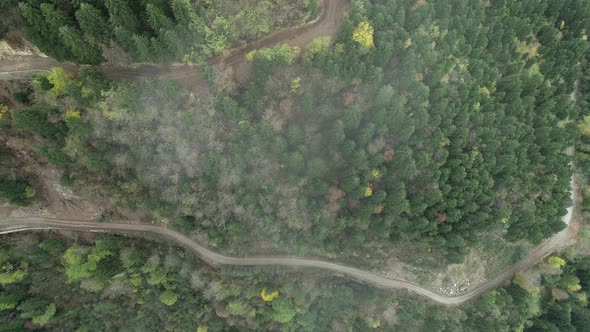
{"points": [[124, 37], [143, 47], [84, 51], [93, 23], [42, 28], [54, 18], [122, 15], [157, 19]]}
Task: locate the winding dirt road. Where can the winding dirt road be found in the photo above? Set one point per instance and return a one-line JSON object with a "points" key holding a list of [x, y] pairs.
{"points": [[327, 23], [217, 259]]}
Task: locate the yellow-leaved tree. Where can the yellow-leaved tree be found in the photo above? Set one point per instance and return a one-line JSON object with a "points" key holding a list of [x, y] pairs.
{"points": [[3, 110], [363, 34], [584, 126], [555, 261], [268, 297], [60, 79]]}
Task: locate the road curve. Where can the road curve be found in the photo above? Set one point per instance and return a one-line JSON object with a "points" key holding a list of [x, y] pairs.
{"points": [[216, 259]]}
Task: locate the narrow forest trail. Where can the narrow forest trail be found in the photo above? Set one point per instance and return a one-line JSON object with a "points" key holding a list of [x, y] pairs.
{"points": [[326, 24]]}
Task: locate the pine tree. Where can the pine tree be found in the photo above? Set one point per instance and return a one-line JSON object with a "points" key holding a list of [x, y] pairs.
{"points": [[170, 42], [33, 16], [14, 190], [143, 47], [93, 23], [183, 11], [124, 37], [40, 28], [188, 20], [84, 51], [157, 19], [54, 18], [121, 15]]}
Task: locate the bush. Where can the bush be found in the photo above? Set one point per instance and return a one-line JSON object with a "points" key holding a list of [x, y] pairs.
{"points": [[184, 224], [66, 180], [42, 82], [22, 96], [520, 254], [76, 124], [168, 297], [16, 191], [54, 155], [34, 119]]}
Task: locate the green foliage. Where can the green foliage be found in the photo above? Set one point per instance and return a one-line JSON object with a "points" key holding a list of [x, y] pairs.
{"points": [[185, 224], [168, 297], [38, 309], [520, 254], [121, 14], [280, 55], [363, 34], [15, 191], [59, 80], [556, 261], [93, 23], [43, 23], [22, 97], [11, 277], [283, 312], [44, 318], [75, 266], [156, 31], [35, 120], [466, 132], [465, 121], [232, 297], [54, 155], [42, 82], [131, 257], [76, 124], [83, 50], [8, 301]]}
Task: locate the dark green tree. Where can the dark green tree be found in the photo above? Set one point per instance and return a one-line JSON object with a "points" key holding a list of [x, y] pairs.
{"points": [[93, 23]]}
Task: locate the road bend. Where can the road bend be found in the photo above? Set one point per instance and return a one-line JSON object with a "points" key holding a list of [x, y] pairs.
{"points": [[216, 259]]}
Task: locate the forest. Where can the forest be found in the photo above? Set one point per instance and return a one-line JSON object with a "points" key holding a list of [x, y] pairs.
{"points": [[60, 282], [433, 124], [420, 124], [152, 30]]}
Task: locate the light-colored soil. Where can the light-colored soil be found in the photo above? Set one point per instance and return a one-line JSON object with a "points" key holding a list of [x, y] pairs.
{"points": [[9, 51]]}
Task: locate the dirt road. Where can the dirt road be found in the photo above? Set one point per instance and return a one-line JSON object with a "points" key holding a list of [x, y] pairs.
{"points": [[216, 259], [326, 24]]}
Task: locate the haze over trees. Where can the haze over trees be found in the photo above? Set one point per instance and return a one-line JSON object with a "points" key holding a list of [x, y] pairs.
{"points": [[427, 124], [434, 124]]}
